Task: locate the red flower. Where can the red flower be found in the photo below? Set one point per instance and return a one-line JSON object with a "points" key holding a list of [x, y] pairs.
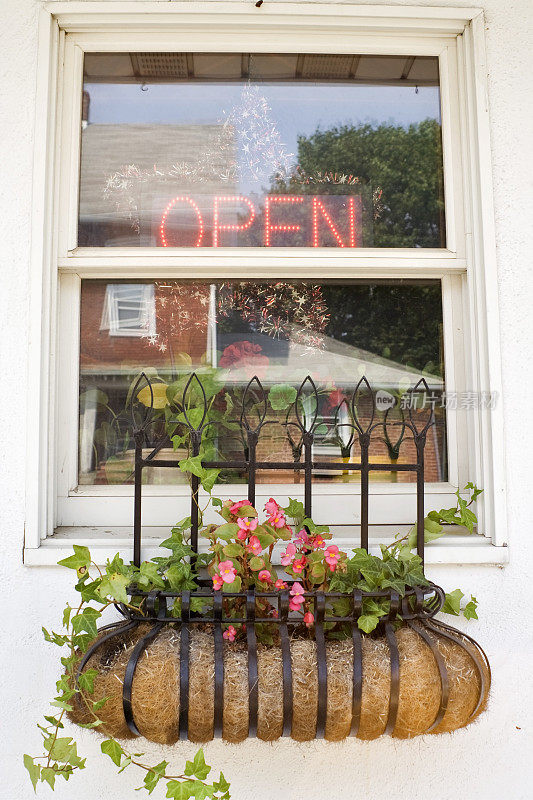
{"points": [[244, 355]]}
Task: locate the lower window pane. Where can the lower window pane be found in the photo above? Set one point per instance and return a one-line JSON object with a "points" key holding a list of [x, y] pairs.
{"points": [[227, 332]]}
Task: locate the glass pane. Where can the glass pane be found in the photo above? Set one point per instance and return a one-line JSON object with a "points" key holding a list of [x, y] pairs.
{"points": [[260, 150], [227, 332]]}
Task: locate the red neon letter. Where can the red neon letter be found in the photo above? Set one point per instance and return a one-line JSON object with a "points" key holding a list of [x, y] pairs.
{"points": [[283, 198], [229, 199], [168, 209], [318, 204]]}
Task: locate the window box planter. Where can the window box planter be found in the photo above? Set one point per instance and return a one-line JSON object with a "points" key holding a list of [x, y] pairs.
{"points": [[169, 673]]}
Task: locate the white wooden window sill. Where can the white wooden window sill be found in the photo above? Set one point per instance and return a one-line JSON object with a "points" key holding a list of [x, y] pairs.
{"points": [[453, 548]]}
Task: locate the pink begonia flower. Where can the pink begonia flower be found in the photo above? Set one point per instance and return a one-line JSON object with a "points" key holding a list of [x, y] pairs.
{"points": [[275, 613], [280, 584], [298, 564], [230, 633], [265, 576], [309, 619], [277, 520], [271, 507], [297, 598], [239, 504], [318, 542], [254, 546], [297, 589], [288, 555], [295, 603], [227, 571], [242, 534], [234, 509], [217, 582], [247, 524], [302, 539], [332, 556]]}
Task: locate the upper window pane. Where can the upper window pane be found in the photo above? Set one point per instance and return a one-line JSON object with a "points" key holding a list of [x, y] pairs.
{"points": [[255, 150]]}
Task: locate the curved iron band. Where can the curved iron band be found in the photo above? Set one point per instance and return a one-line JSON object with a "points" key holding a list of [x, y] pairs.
{"points": [[185, 638], [253, 675], [470, 639], [218, 721], [357, 642], [443, 673], [439, 630], [138, 650], [286, 663], [418, 627], [118, 628], [322, 667], [394, 698]]}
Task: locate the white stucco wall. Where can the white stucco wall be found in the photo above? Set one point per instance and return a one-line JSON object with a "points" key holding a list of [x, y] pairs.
{"points": [[491, 759]]}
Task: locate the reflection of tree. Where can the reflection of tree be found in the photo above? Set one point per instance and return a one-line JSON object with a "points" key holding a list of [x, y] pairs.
{"points": [[405, 163], [399, 322]]}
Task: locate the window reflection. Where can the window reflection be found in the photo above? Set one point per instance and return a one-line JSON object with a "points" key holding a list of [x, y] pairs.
{"points": [[262, 150], [280, 331]]}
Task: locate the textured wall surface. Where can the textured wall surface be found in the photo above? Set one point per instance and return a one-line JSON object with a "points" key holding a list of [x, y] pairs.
{"points": [[490, 760]]}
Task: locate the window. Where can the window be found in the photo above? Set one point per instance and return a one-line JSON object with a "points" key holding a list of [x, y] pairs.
{"points": [[261, 150], [217, 204], [128, 310]]}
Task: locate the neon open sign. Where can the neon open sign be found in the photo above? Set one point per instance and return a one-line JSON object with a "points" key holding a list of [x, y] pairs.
{"points": [[280, 221]]}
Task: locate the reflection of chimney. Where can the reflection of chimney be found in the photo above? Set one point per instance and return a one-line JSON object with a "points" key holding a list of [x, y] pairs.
{"points": [[86, 100]]}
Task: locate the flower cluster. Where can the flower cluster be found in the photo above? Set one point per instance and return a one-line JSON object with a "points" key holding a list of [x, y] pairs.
{"points": [[243, 548]]}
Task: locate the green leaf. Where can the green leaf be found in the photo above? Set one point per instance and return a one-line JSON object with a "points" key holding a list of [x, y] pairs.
{"points": [[100, 703], [153, 777], [233, 587], [193, 465], [227, 531], [86, 621], [209, 478], [49, 775], [181, 790], [114, 586], [66, 616], [452, 604], [281, 396], [149, 575], [81, 558], [469, 611], [112, 749], [233, 550], [247, 511], [256, 563], [221, 785], [197, 766], [265, 539], [33, 769], [295, 509], [63, 750], [367, 622], [86, 680]]}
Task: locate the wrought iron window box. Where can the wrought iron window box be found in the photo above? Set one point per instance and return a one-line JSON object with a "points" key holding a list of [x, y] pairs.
{"points": [[410, 622]]}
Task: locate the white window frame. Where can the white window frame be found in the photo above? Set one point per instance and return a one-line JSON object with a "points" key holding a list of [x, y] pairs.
{"points": [[59, 511]]}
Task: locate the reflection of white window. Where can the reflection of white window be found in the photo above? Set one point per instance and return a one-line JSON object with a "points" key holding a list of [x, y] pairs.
{"points": [[129, 309]]}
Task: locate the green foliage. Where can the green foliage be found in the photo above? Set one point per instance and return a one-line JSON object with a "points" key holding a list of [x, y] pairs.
{"points": [[60, 758], [281, 396]]}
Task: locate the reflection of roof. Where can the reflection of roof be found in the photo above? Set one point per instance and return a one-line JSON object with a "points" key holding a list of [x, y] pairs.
{"points": [[106, 149], [337, 362]]}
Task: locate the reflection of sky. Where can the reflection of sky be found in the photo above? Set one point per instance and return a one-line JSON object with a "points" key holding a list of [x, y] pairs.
{"points": [[295, 108]]}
